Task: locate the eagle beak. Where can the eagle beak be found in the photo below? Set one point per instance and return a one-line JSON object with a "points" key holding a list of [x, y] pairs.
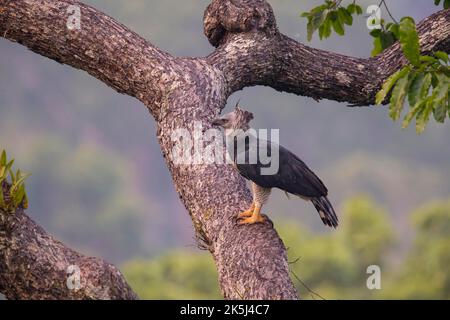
{"points": [[218, 122]]}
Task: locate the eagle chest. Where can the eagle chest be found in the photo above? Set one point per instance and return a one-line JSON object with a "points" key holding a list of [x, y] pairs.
{"points": [[260, 194]]}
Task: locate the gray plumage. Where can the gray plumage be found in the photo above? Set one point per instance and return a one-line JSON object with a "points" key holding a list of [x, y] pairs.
{"points": [[293, 175]]}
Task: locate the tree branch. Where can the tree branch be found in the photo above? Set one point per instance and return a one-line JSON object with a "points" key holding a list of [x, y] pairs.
{"points": [[273, 59], [103, 47], [35, 266], [186, 90]]}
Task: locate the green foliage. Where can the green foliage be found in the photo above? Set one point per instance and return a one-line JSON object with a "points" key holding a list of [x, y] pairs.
{"points": [[446, 3], [409, 40], [384, 37], [332, 265], [330, 16], [433, 221], [12, 186], [398, 95], [333, 16], [340, 259], [366, 231], [425, 81], [425, 273], [177, 275], [86, 194], [390, 82]]}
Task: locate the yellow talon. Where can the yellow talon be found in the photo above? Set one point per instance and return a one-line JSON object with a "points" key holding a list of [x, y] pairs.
{"points": [[247, 213], [255, 218]]}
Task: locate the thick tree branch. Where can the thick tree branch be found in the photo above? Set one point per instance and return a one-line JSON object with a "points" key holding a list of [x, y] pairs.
{"points": [[103, 47], [321, 74], [36, 266], [272, 59], [181, 92]]}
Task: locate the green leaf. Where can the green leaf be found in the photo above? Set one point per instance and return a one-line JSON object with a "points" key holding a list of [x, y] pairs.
{"points": [[440, 90], [23, 177], [446, 4], [3, 158], [315, 18], [409, 40], [440, 97], [436, 2], [375, 33], [428, 59], [398, 98], [2, 174], [25, 200], [351, 8], [338, 26], [314, 22], [440, 112], [332, 15], [448, 103], [20, 180], [389, 83], [412, 113], [414, 89], [326, 28], [384, 38], [9, 164], [394, 28], [18, 196], [424, 116], [419, 88], [2, 201], [387, 39], [442, 56], [359, 10], [345, 16], [434, 80], [377, 47]]}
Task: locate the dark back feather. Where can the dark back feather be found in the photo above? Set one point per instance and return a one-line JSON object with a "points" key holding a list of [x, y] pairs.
{"points": [[293, 174]]}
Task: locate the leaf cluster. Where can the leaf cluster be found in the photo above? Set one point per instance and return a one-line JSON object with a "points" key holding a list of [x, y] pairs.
{"points": [[330, 16], [424, 82], [12, 186]]}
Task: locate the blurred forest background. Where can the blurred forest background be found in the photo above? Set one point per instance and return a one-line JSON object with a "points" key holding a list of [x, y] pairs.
{"points": [[99, 182]]}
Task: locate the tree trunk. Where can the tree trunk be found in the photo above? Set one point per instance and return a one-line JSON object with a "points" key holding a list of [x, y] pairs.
{"points": [[251, 260], [36, 266]]}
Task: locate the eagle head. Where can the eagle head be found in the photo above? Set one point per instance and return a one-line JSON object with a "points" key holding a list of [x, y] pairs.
{"points": [[237, 119]]}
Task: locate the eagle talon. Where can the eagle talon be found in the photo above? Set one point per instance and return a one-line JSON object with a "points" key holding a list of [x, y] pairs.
{"points": [[255, 218], [247, 213]]}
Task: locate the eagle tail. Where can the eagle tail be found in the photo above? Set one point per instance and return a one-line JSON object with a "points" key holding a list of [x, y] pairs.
{"points": [[326, 211]]}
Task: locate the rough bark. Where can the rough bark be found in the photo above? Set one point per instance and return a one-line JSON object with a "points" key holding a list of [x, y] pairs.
{"points": [[36, 266], [269, 58], [251, 260]]}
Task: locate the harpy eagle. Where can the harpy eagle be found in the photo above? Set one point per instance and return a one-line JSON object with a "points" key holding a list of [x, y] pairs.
{"points": [[292, 176]]}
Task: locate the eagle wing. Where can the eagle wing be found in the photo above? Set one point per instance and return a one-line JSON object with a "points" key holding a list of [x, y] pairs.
{"points": [[293, 174]]}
